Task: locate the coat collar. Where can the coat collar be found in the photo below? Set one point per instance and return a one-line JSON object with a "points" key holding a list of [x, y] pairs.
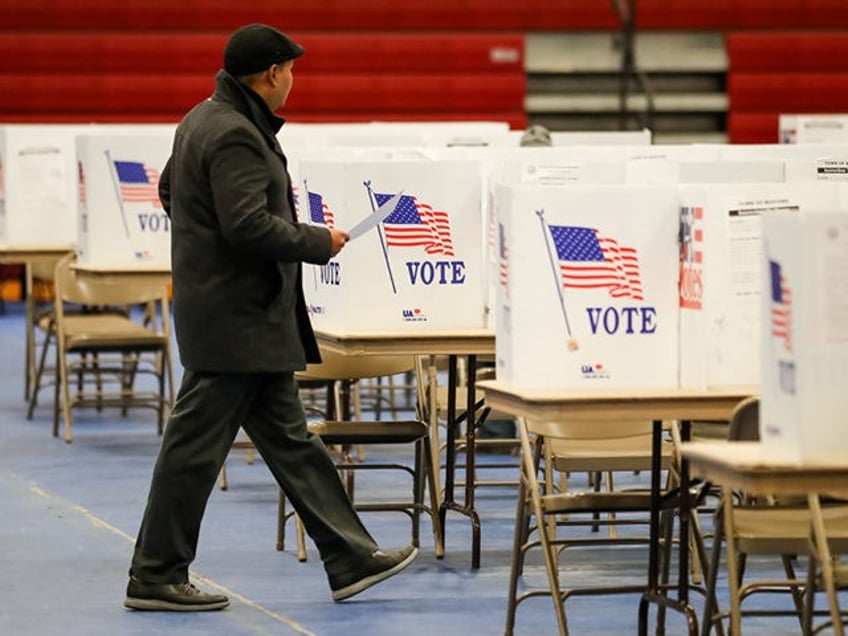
{"points": [[249, 104]]}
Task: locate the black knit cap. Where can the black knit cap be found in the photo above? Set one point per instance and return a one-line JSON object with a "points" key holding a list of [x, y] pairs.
{"points": [[255, 47]]}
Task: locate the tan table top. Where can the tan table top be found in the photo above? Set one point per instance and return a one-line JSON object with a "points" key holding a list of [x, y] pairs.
{"points": [[752, 466], [614, 404], [138, 275], [460, 342], [32, 254]]}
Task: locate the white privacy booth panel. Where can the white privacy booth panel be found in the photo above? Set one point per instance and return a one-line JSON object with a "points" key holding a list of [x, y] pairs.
{"points": [[804, 311], [587, 293], [122, 224], [418, 269]]}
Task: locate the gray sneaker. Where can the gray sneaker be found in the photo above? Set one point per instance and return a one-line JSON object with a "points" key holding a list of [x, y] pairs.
{"points": [[377, 567], [172, 597]]}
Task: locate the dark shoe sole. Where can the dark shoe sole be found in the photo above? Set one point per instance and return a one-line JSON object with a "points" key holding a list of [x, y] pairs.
{"points": [[363, 584], [153, 604]]}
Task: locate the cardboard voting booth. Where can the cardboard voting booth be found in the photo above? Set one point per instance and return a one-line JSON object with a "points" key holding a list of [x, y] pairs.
{"points": [[121, 223], [556, 168], [783, 152], [813, 129], [722, 202], [829, 168], [38, 199], [587, 295], [713, 170], [418, 267], [721, 275], [804, 312], [394, 134], [586, 138]]}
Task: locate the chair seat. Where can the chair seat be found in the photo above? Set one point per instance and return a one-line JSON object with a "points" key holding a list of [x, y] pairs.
{"points": [[104, 331], [91, 314], [616, 501], [389, 432], [786, 530]]}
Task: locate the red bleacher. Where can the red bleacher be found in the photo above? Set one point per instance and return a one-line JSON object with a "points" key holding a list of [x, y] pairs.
{"points": [[416, 15], [317, 93], [162, 52], [149, 60], [343, 77], [785, 51], [783, 72]]}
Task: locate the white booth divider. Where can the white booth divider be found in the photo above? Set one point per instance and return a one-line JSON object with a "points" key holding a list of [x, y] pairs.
{"points": [[121, 223], [720, 273], [668, 171], [813, 129], [421, 268], [586, 138], [828, 168], [39, 180], [586, 298], [394, 134], [719, 279], [804, 311], [38, 198], [782, 152]]}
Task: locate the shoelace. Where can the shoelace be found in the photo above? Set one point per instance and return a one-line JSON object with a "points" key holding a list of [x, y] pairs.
{"points": [[189, 588]]}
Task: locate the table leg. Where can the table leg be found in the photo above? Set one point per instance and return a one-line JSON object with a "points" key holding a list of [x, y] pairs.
{"points": [[450, 503], [433, 410], [732, 564], [653, 593], [450, 443], [685, 509], [29, 304]]}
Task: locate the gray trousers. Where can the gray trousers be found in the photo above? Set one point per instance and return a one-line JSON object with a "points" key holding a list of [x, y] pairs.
{"points": [[209, 410]]}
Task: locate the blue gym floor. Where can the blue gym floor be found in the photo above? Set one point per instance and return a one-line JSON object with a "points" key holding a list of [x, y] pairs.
{"points": [[69, 514]]}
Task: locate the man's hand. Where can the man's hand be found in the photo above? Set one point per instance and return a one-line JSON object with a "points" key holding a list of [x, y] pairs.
{"points": [[339, 238]]}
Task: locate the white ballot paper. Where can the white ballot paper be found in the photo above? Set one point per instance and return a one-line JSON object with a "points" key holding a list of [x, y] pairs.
{"points": [[372, 220]]}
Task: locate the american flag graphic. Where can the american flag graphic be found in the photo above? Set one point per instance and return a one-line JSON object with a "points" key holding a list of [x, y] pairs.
{"points": [[416, 224], [503, 253], [781, 306], [691, 235], [589, 260], [139, 184], [319, 211]]}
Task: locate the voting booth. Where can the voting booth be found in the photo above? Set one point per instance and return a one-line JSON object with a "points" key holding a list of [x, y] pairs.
{"points": [[122, 224], [394, 134], [587, 297], [720, 248], [827, 168], [804, 404], [38, 199], [419, 266], [721, 275], [813, 129]]}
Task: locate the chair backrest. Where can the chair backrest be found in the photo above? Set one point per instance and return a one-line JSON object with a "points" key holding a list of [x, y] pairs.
{"points": [[591, 430], [335, 366], [105, 290], [745, 421]]}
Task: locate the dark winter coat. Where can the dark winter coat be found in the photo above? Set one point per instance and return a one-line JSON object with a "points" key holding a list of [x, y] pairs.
{"points": [[236, 246]]}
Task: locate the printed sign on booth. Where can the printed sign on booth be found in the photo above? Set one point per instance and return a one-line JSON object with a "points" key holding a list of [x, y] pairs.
{"points": [[418, 265], [587, 300]]}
